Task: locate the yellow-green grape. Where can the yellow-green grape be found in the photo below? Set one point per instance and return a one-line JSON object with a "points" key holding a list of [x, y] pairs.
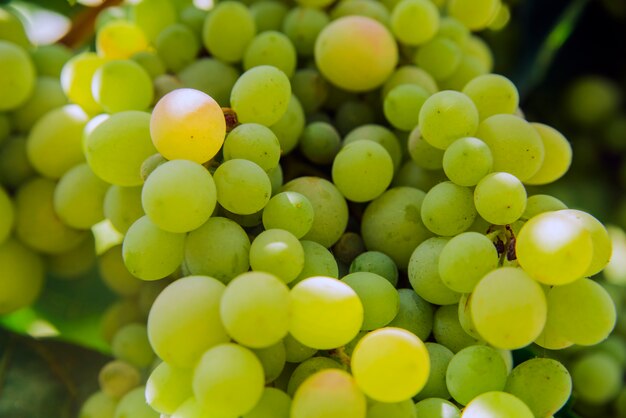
{"points": [[76, 79], [278, 252], [114, 273], [329, 206], [379, 298], [362, 170], [449, 332], [543, 384], [516, 146], [318, 261], [37, 224], [602, 247], [440, 57], [117, 148], [448, 209], [271, 48], [422, 153], [540, 203], [500, 198], [380, 134], [114, 79], [98, 405], [224, 373], [187, 124], [447, 116], [177, 46], [467, 160], [7, 215], [228, 30], [74, 263], [352, 113], [79, 196], [54, 143], [356, 42], [122, 206], [404, 409], [151, 253], [117, 378], [268, 14], [130, 343], [273, 359], [390, 364], [22, 278], [557, 158], [326, 313], [591, 100], [120, 313], [47, 95], [18, 76], [290, 211], [212, 77], [133, 404], [15, 167], [289, 127], [435, 386], [168, 387], [493, 94], [220, 248], [582, 312], [12, 29], [508, 308], [496, 405], [295, 351], [179, 196], [469, 68], [551, 337], [409, 74], [308, 368], [402, 105], [597, 378], [465, 317], [414, 314], [436, 408], [465, 259], [367, 8], [554, 248], [475, 370], [475, 14], [476, 47], [150, 62], [414, 22], [120, 39], [302, 25], [308, 85], [187, 307], [152, 16], [501, 19], [376, 262], [242, 186], [254, 142], [274, 403]]}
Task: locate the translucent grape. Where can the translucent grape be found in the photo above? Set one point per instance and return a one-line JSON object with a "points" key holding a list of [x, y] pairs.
{"points": [[448, 331], [228, 30], [402, 105], [114, 79], [492, 94], [540, 203], [278, 252], [422, 153], [474, 14], [414, 22], [380, 134], [212, 77], [271, 48], [12, 29], [274, 403], [447, 116], [74, 263], [469, 68], [448, 209], [310, 88], [122, 206], [379, 298], [435, 386], [290, 126], [76, 79], [134, 404], [114, 273], [177, 46], [474, 46], [98, 405], [599, 238], [302, 25], [120, 39], [152, 16], [596, 378], [440, 57], [18, 76], [168, 387], [295, 351], [436, 408], [375, 10], [47, 95], [409, 74], [23, 276], [500, 198], [318, 261], [130, 343], [308, 368], [467, 160], [150, 62], [268, 14], [290, 211], [272, 359], [414, 314], [253, 142], [496, 405], [376, 262]]}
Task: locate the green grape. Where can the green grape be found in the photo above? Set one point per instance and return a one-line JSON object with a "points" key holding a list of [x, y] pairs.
{"points": [[212, 77], [448, 209], [278, 252], [290, 211], [226, 372], [310, 88], [492, 94], [390, 364], [152, 16], [114, 273], [414, 314], [414, 22], [130, 343], [23, 276], [422, 153], [379, 298], [168, 387], [347, 248], [320, 142], [228, 30], [308, 368], [272, 359], [122, 206], [133, 404], [255, 309], [465, 317], [448, 331], [356, 42], [190, 408], [376, 262], [187, 124], [558, 155], [98, 405], [597, 378], [582, 312], [353, 113], [496, 405], [117, 147], [500, 198], [330, 208], [380, 134], [295, 351], [76, 79], [543, 384], [436, 387], [477, 48], [326, 313], [123, 312], [374, 10], [412, 175], [165, 84], [501, 19], [54, 144], [615, 345], [74, 263], [254, 142], [404, 409], [447, 116], [591, 99], [329, 394], [453, 29], [465, 259], [362, 170], [436, 408], [177, 46], [392, 224], [109, 14], [117, 378], [150, 62], [303, 25], [475, 370], [37, 224], [554, 248], [289, 127], [619, 404], [188, 306], [469, 68], [151, 253], [271, 48], [18, 76], [440, 57], [409, 74], [274, 403], [508, 308], [318, 261], [220, 248], [402, 105], [15, 167], [476, 15], [242, 186], [268, 15], [120, 39], [12, 29], [179, 196], [79, 196], [516, 146], [46, 96], [599, 238], [7, 215], [114, 79], [467, 160]]}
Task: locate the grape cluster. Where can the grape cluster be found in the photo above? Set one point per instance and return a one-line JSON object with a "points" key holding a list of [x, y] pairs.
{"points": [[317, 211]]}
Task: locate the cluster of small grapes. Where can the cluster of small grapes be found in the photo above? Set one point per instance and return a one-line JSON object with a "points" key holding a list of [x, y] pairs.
{"points": [[431, 173]]}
